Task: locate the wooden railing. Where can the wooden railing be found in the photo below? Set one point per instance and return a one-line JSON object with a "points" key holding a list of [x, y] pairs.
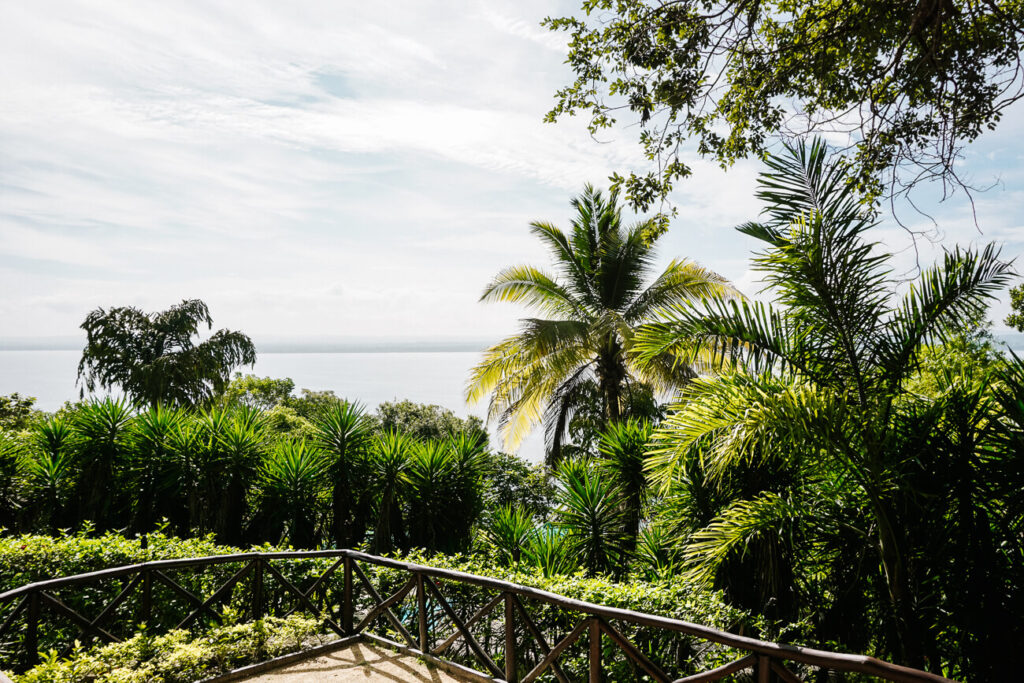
{"points": [[491, 629]]}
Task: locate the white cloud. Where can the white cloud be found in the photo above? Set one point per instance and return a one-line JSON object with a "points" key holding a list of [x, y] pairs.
{"points": [[310, 167]]}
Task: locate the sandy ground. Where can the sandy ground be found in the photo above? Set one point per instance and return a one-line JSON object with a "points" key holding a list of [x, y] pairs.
{"points": [[359, 662]]}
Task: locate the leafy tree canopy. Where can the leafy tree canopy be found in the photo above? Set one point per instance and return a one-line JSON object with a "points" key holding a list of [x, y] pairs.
{"points": [[425, 421], [911, 82], [16, 411], [512, 481], [258, 392], [1016, 317], [154, 358]]}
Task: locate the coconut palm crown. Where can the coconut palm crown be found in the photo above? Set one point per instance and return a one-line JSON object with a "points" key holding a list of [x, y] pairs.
{"points": [[588, 310]]}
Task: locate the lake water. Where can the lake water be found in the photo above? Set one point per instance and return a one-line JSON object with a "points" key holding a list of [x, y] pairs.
{"points": [[370, 378]]}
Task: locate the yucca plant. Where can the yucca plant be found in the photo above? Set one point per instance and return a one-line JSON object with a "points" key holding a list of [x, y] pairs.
{"points": [[442, 493], [591, 510], [102, 430], [427, 491], [293, 479], [208, 464], [241, 447], [156, 470], [654, 553], [187, 440], [470, 454], [549, 550], [388, 459], [507, 531], [343, 432], [623, 447], [50, 470]]}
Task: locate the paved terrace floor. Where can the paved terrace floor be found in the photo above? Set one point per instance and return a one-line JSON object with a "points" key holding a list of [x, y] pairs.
{"points": [[357, 662]]}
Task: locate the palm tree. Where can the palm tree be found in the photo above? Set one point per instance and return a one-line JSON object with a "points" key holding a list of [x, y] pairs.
{"points": [[821, 385], [591, 307]]}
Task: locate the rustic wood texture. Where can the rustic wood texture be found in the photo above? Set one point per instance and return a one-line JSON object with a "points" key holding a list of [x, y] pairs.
{"points": [[32, 602]]}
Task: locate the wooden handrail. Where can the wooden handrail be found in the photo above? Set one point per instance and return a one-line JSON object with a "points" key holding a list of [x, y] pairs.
{"points": [[422, 576]]}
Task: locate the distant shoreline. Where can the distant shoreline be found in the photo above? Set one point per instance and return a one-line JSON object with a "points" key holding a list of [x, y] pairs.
{"points": [[1012, 340], [286, 346]]}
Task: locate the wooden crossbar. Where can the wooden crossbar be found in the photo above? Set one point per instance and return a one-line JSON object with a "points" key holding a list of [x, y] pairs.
{"points": [[557, 650], [85, 624], [634, 653], [304, 598], [470, 640], [539, 638], [477, 616]]}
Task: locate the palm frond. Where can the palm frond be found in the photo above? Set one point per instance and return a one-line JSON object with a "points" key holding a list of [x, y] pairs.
{"points": [[945, 298], [681, 281], [733, 531], [739, 418], [536, 289]]}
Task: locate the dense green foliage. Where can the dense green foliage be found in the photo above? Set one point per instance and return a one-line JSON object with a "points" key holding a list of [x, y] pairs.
{"points": [[16, 412], [153, 358], [809, 482], [227, 470], [582, 346], [911, 82], [1016, 317]]}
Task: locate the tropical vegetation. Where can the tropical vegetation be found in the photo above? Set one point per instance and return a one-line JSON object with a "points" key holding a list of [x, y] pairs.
{"points": [[600, 293], [841, 466], [204, 650]]}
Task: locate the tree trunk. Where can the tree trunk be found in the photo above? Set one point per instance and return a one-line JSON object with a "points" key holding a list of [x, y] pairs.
{"points": [[611, 373], [893, 554]]}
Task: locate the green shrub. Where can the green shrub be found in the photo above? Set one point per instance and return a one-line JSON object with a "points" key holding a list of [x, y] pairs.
{"points": [[180, 655], [28, 558]]}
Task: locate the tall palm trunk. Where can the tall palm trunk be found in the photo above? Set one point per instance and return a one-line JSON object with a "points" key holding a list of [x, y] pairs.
{"points": [[611, 374]]}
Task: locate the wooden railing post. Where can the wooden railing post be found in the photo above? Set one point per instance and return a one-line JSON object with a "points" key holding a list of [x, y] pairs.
{"points": [[346, 598], [595, 650], [764, 669], [257, 589], [421, 611], [32, 629], [147, 597], [511, 676]]}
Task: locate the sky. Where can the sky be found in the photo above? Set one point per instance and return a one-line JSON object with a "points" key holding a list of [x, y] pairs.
{"points": [[334, 169]]}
